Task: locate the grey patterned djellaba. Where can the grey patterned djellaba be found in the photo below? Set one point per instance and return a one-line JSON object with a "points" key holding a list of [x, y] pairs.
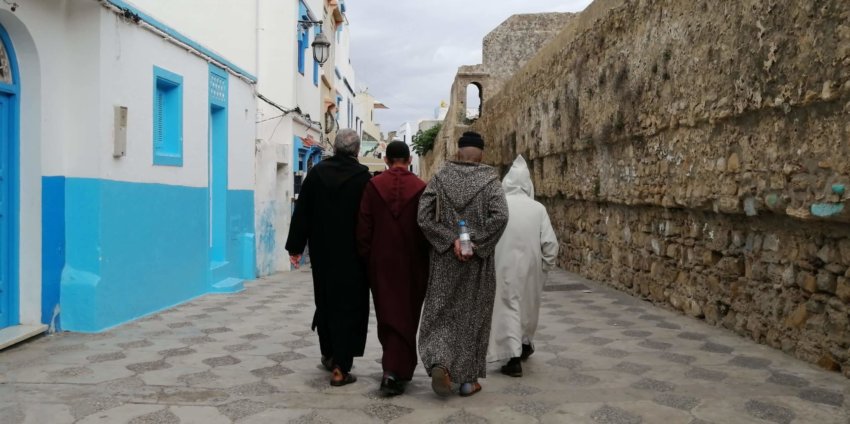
{"points": [[458, 308]]}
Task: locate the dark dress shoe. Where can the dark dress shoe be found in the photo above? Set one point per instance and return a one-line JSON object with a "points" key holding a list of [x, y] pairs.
{"points": [[527, 350], [339, 378], [513, 368], [392, 386]]}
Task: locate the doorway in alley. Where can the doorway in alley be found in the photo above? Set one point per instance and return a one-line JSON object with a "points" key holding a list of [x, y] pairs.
{"points": [[218, 174], [9, 95]]}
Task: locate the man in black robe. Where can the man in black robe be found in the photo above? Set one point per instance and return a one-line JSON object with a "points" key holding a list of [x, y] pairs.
{"points": [[325, 218]]}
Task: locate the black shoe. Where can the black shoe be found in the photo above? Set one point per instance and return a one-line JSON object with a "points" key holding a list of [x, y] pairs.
{"points": [[527, 350], [391, 386], [340, 378], [513, 368]]}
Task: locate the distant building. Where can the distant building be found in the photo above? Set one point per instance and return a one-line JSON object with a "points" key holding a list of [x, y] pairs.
{"points": [[373, 147], [408, 130]]}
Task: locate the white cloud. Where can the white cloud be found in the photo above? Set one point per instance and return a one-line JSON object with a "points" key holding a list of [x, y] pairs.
{"points": [[408, 51]]}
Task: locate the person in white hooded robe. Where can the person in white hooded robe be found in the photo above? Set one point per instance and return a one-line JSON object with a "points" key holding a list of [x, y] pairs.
{"points": [[526, 252]]}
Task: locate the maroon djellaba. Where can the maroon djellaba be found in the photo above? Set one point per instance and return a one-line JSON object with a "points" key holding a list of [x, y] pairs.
{"points": [[396, 255]]}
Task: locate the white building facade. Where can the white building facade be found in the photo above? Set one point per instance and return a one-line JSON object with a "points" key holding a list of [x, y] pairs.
{"points": [[298, 110], [129, 149], [148, 156]]}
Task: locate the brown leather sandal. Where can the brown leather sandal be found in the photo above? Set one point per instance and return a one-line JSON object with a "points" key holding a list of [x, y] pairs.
{"points": [[441, 381]]}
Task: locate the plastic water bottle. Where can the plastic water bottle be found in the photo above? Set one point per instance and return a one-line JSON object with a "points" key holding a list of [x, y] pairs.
{"points": [[465, 242]]}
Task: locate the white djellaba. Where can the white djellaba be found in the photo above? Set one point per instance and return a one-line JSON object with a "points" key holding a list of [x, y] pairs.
{"points": [[526, 252]]}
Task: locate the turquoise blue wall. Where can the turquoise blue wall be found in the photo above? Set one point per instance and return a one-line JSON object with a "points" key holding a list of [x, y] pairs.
{"points": [[134, 248], [52, 243]]}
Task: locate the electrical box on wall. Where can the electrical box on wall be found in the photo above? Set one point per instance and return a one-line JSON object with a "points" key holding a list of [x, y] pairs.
{"points": [[120, 136]]}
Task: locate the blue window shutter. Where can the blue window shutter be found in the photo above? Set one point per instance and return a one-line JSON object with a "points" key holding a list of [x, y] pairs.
{"points": [[158, 120], [301, 54], [167, 118]]}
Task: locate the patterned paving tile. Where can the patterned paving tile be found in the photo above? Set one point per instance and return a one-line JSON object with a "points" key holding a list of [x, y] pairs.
{"points": [[163, 416], [387, 412], [822, 396], [789, 380], [251, 358], [611, 415], [106, 357], [464, 417], [582, 380], [632, 368], [654, 385], [143, 367], [770, 411], [221, 361], [243, 408], [705, 374], [520, 389], [533, 408], [685, 403], [717, 348]]}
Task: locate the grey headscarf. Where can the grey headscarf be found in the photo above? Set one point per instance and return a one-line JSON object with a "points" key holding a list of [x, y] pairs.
{"points": [[347, 143], [518, 180]]}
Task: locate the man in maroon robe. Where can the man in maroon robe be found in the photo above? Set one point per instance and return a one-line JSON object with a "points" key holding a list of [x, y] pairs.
{"points": [[396, 256]]}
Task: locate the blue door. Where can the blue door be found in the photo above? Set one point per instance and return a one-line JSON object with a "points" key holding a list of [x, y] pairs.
{"points": [[218, 174], [6, 295], [218, 185], [8, 182]]}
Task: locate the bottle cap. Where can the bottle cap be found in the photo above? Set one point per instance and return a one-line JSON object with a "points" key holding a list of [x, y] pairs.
{"points": [[462, 223]]}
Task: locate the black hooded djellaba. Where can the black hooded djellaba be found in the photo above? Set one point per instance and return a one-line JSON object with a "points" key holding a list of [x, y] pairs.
{"points": [[325, 218]]}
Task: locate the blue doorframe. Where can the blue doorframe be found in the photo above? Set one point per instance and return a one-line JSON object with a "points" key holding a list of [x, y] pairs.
{"points": [[9, 220], [218, 171]]}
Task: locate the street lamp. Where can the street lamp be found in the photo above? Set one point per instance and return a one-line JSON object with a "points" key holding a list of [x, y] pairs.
{"points": [[321, 49], [321, 45]]}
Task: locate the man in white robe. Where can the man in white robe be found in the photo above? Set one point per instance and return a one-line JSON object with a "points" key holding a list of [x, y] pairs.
{"points": [[526, 252]]}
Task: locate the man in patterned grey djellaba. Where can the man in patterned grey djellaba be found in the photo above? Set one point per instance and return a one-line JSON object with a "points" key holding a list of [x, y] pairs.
{"points": [[458, 308]]}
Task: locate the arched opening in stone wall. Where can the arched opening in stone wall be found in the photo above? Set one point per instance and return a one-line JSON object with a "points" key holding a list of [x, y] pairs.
{"points": [[474, 101]]}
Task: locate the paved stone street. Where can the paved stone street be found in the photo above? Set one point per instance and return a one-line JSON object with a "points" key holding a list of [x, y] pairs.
{"points": [[602, 357]]}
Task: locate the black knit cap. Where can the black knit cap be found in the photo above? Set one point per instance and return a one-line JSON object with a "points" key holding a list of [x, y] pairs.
{"points": [[471, 139], [398, 150]]}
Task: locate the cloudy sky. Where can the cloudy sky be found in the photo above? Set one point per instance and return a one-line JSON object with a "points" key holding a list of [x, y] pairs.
{"points": [[407, 51]]}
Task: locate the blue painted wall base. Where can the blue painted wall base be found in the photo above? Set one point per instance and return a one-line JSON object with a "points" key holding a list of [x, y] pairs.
{"points": [[52, 245], [133, 249]]}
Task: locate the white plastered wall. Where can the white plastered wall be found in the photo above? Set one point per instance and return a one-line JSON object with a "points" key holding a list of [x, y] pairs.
{"points": [[279, 81], [128, 56], [230, 31]]}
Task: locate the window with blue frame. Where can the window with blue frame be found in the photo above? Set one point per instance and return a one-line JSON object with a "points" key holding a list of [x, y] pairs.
{"points": [[338, 105], [303, 37], [167, 118]]}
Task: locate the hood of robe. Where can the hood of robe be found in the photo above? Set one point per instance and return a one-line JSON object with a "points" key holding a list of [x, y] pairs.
{"points": [[518, 179], [337, 170], [461, 182], [397, 188]]}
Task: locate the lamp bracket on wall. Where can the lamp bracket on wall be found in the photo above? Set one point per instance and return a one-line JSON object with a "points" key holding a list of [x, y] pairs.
{"points": [[307, 23]]}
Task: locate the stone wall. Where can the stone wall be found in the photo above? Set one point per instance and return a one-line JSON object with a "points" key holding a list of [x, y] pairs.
{"points": [[696, 153], [513, 43], [506, 50]]}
